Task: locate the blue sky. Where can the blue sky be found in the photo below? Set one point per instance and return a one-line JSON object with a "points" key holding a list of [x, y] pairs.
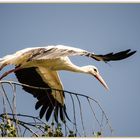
{"points": [[99, 28]]}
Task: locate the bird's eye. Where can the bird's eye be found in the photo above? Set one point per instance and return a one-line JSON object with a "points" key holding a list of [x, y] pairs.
{"points": [[95, 70]]}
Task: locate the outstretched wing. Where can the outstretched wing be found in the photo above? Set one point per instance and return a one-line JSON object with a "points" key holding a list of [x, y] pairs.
{"points": [[46, 100], [52, 79], [52, 52]]}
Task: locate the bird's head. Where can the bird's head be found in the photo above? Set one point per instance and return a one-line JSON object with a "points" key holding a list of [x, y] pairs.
{"points": [[94, 71]]}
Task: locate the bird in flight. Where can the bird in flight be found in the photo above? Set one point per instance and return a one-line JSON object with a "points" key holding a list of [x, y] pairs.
{"points": [[39, 67]]}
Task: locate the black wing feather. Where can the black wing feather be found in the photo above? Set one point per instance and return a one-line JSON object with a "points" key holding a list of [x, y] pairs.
{"points": [[62, 114], [40, 103], [42, 111], [56, 113], [45, 99], [113, 56], [49, 112]]}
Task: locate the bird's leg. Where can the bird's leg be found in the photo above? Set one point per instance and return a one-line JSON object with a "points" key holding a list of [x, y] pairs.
{"points": [[8, 72], [2, 66]]}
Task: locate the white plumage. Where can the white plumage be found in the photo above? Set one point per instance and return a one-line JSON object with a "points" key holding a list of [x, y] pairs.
{"points": [[46, 61]]}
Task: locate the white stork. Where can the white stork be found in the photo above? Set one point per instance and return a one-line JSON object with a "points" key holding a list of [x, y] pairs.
{"points": [[38, 67]]}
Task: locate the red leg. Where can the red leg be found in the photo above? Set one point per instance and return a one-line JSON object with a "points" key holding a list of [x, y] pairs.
{"points": [[2, 66], [8, 72]]}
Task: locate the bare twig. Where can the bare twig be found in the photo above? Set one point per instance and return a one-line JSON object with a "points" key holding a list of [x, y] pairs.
{"points": [[81, 115], [5, 95], [74, 113], [36, 119]]}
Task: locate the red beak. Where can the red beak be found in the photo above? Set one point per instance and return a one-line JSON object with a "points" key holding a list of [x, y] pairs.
{"points": [[98, 76]]}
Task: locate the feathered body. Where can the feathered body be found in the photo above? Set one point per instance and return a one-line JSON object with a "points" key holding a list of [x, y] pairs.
{"points": [[38, 67]]}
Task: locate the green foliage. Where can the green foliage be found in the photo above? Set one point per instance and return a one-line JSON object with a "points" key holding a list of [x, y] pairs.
{"points": [[71, 134], [7, 128], [97, 134], [52, 131]]}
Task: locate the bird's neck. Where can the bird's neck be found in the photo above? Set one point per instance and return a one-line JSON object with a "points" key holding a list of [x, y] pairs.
{"points": [[78, 69]]}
